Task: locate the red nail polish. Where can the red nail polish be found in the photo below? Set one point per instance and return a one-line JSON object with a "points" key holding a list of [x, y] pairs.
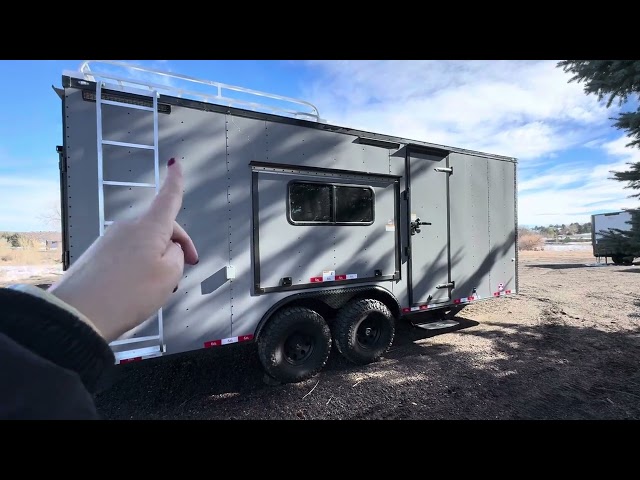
{"points": [[171, 162]]}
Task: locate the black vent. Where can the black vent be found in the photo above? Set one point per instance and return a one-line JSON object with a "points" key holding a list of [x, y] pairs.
{"points": [[127, 98]]}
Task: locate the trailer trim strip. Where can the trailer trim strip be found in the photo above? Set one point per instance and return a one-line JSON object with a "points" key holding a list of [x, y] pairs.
{"points": [[227, 341]]}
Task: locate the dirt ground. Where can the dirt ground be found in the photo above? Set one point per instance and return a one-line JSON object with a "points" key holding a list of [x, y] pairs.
{"points": [[566, 347]]}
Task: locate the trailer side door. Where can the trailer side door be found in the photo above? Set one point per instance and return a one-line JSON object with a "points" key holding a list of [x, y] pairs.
{"points": [[428, 209]]}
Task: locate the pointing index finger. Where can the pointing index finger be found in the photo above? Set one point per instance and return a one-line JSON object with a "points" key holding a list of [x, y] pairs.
{"points": [[166, 205]]}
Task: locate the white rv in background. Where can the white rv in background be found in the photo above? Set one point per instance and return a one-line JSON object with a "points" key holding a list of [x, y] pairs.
{"points": [[604, 224]]}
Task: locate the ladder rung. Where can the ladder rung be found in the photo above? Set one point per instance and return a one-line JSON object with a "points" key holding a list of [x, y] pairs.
{"points": [[128, 184], [135, 340], [127, 105], [128, 145]]}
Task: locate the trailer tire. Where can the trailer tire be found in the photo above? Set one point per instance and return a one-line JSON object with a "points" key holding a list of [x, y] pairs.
{"points": [[294, 344], [363, 330], [622, 260]]}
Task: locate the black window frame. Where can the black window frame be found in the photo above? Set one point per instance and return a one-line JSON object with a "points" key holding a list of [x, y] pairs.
{"points": [[333, 197]]}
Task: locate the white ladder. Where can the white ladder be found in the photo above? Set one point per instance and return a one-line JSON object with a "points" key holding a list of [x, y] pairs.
{"points": [[160, 348]]}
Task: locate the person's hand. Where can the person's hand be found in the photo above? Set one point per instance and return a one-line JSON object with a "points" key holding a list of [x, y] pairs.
{"points": [[128, 274]]}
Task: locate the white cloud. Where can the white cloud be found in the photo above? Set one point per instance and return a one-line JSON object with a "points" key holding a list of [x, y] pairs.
{"points": [[523, 109], [545, 199], [23, 200]]}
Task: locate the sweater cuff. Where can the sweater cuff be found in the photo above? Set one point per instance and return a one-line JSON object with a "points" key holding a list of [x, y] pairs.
{"points": [[53, 329], [50, 297]]}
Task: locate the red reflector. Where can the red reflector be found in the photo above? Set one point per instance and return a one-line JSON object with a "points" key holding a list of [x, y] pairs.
{"points": [[129, 360], [507, 292], [497, 294], [213, 343], [405, 310], [245, 338], [341, 277], [457, 300], [471, 299], [315, 279], [423, 307]]}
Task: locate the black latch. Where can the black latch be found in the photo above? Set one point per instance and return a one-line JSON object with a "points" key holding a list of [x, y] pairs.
{"points": [[378, 273], [415, 226], [62, 160], [286, 281]]}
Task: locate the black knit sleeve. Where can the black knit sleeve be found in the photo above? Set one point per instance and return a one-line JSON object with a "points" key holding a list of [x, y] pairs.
{"points": [[55, 333]]}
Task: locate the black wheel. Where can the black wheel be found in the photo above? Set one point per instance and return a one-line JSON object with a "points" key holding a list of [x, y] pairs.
{"points": [[294, 345], [622, 260], [363, 330]]}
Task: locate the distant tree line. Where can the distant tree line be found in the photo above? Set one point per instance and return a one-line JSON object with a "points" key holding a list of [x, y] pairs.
{"points": [[557, 229], [14, 239]]}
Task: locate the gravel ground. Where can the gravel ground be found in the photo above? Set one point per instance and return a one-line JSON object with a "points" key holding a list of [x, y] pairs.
{"points": [[566, 347]]}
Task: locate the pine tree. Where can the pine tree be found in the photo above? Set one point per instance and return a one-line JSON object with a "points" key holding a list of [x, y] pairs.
{"points": [[616, 79]]}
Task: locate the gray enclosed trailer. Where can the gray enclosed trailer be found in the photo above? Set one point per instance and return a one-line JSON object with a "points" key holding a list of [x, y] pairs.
{"points": [[603, 225], [308, 233]]}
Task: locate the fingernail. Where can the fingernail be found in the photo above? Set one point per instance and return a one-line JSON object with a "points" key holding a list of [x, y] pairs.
{"points": [[175, 289], [171, 162]]}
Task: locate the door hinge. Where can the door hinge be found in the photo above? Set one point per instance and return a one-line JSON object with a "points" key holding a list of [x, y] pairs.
{"points": [[65, 259], [407, 251], [448, 170]]}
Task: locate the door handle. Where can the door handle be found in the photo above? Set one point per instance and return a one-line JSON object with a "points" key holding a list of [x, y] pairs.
{"points": [[415, 226]]}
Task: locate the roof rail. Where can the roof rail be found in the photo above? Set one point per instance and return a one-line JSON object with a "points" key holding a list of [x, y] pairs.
{"points": [[86, 71]]}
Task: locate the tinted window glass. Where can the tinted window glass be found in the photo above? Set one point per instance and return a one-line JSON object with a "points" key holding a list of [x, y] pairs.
{"points": [[354, 204], [310, 202]]}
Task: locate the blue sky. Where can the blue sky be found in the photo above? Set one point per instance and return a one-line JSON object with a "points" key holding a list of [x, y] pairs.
{"points": [[563, 139]]}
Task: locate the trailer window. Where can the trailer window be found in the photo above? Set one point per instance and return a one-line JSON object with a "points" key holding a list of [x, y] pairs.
{"points": [[310, 202], [330, 204], [354, 205]]}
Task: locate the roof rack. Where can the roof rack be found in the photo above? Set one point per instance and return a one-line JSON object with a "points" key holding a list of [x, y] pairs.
{"points": [[161, 81]]}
